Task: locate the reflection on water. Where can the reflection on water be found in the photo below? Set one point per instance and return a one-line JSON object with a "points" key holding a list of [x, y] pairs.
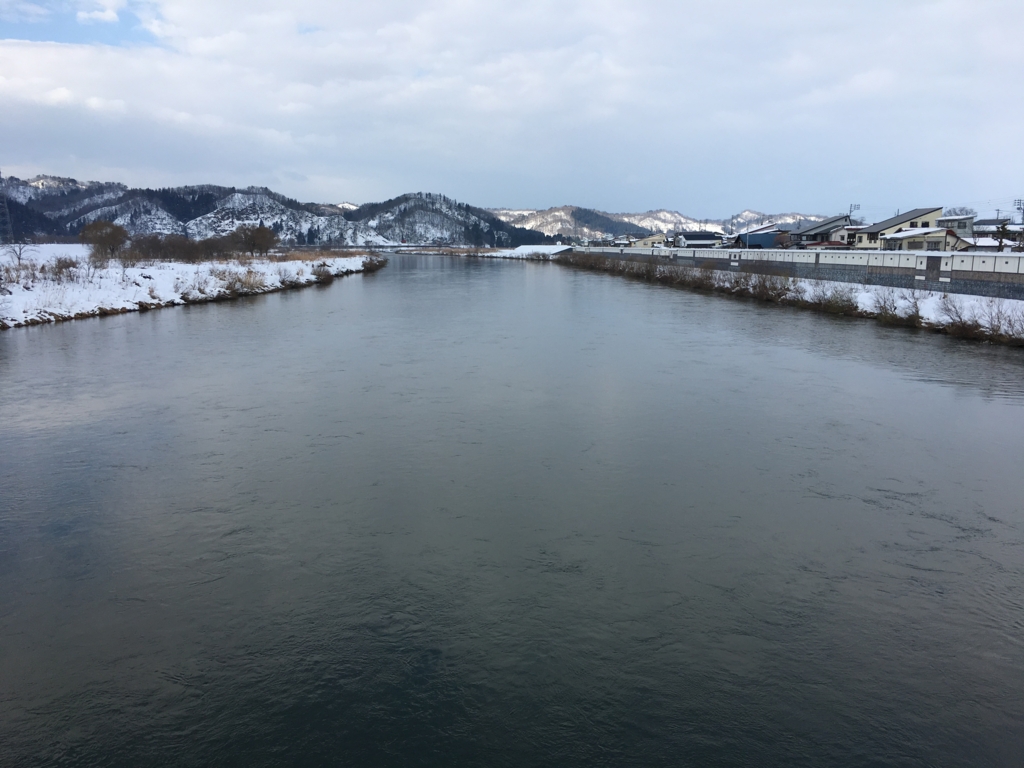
{"points": [[507, 514]]}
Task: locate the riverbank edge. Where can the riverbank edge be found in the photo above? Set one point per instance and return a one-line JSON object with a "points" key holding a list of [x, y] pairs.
{"points": [[833, 298], [320, 274]]}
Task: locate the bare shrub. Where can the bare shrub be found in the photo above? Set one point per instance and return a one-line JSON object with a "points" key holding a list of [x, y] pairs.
{"points": [[1015, 324], [887, 306], [63, 269], [374, 263], [832, 298], [681, 276], [735, 282], [288, 280], [960, 318], [912, 298], [704, 278], [200, 285], [240, 283], [253, 282], [995, 317], [770, 287], [647, 269], [322, 273]]}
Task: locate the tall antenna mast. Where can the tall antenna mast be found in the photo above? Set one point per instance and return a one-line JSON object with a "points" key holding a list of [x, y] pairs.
{"points": [[6, 228]]}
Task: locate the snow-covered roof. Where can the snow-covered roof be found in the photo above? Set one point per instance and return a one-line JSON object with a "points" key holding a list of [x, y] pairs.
{"points": [[989, 242], [919, 232]]}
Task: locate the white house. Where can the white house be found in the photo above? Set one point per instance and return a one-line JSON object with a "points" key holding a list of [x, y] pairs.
{"points": [[924, 239]]}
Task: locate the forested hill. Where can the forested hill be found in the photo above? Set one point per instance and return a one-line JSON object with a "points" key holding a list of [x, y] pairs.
{"points": [[51, 206]]}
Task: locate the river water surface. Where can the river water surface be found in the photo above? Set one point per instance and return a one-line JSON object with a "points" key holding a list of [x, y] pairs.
{"points": [[487, 513]]}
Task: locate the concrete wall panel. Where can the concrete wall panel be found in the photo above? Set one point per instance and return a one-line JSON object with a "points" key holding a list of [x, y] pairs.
{"points": [[1008, 264]]}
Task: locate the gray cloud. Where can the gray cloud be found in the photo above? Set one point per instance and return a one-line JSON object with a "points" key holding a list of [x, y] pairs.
{"points": [[703, 106]]}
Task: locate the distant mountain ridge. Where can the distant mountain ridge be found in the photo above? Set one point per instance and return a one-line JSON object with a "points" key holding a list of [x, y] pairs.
{"points": [[58, 206], [586, 223], [61, 206]]}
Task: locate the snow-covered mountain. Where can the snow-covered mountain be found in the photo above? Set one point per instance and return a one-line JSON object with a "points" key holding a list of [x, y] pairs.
{"points": [[254, 207], [571, 221], [585, 223], [50, 205], [58, 206], [429, 218]]}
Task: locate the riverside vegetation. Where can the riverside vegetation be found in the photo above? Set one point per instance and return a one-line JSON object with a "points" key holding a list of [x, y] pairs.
{"points": [[38, 288], [994, 320]]}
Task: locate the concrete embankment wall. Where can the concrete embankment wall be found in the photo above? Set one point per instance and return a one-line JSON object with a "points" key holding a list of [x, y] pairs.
{"points": [[981, 274]]}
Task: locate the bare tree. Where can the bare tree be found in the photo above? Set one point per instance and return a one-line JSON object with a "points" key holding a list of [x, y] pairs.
{"points": [[18, 251], [105, 238], [255, 240]]}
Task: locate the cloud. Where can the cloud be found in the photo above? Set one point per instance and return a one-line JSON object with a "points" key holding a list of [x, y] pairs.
{"points": [[106, 12], [705, 106], [16, 11]]}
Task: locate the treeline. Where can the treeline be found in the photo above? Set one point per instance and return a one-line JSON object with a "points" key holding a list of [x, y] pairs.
{"points": [[108, 241]]}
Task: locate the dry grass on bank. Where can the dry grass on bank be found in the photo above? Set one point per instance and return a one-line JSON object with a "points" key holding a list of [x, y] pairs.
{"points": [[968, 317]]}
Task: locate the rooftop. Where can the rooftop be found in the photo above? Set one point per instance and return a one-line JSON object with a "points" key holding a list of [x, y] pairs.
{"points": [[918, 232], [895, 221], [821, 227]]}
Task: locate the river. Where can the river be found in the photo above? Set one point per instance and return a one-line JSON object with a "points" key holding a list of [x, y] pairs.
{"points": [[469, 512]]}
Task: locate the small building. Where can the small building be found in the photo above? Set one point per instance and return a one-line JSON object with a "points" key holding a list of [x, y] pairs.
{"points": [[988, 226], [1002, 229], [820, 231], [765, 236], [989, 245], [962, 225], [698, 239], [924, 239], [653, 241], [919, 218], [846, 234]]}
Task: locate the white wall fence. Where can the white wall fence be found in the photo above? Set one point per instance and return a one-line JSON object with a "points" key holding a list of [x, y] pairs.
{"points": [[1007, 263]]}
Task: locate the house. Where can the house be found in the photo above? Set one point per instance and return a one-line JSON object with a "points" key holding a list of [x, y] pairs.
{"points": [[698, 239], [989, 226], [989, 245], [765, 236], [820, 231], [999, 229], [924, 239], [845, 234], [919, 218], [654, 241], [962, 225]]}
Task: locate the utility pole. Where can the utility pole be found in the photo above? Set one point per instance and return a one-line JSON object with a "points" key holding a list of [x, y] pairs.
{"points": [[6, 227], [1019, 205], [853, 207]]}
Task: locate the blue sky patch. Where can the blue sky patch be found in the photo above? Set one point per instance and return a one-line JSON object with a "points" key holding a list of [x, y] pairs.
{"points": [[62, 26]]}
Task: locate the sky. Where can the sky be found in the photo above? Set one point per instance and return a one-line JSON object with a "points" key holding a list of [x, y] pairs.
{"points": [[708, 107]]}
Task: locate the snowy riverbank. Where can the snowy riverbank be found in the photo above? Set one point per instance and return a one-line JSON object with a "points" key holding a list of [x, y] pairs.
{"points": [[966, 316], [57, 282]]}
